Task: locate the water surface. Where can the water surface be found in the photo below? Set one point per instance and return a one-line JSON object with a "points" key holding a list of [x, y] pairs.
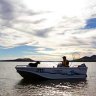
{"points": [[12, 84]]}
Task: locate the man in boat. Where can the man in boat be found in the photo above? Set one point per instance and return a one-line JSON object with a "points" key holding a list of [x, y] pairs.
{"points": [[65, 62]]}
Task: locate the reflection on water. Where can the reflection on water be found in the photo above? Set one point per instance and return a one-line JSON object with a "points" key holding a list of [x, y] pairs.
{"points": [[51, 87], [50, 82]]}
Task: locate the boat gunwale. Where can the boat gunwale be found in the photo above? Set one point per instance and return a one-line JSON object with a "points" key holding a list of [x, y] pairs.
{"points": [[27, 66]]}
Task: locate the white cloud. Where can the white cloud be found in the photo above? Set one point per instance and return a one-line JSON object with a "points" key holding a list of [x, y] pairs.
{"points": [[11, 38], [51, 24]]}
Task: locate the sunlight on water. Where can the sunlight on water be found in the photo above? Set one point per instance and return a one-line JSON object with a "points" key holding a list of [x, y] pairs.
{"points": [[12, 84]]}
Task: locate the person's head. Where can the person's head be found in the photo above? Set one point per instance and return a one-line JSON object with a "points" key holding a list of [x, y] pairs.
{"points": [[64, 57]]}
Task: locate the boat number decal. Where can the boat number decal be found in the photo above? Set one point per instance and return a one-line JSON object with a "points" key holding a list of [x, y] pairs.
{"points": [[40, 70]]}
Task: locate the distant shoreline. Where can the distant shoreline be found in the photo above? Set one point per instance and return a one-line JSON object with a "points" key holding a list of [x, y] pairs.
{"points": [[83, 59], [41, 61]]}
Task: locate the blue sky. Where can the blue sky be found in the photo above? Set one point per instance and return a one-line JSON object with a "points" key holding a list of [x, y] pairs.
{"points": [[47, 29]]}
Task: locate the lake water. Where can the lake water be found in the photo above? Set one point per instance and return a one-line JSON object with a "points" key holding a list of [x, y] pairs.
{"points": [[12, 84]]}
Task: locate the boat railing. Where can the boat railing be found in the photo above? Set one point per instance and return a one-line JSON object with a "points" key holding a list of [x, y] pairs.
{"points": [[22, 66], [75, 66]]}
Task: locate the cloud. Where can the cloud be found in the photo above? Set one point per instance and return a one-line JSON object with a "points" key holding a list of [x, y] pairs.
{"points": [[15, 39], [6, 10], [12, 9], [55, 30], [43, 32]]}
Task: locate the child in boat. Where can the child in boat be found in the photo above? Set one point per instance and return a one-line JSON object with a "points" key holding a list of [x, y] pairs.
{"points": [[65, 62]]}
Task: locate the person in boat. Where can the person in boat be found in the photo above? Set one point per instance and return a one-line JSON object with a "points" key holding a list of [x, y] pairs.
{"points": [[34, 64], [65, 62]]}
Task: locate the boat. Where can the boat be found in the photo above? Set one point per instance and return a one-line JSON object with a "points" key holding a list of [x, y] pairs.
{"points": [[31, 72]]}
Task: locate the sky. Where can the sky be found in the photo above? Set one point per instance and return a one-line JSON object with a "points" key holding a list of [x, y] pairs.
{"points": [[47, 29]]}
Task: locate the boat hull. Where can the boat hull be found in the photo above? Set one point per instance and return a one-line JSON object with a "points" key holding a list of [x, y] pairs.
{"points": [[52, 73], [28, 75]]}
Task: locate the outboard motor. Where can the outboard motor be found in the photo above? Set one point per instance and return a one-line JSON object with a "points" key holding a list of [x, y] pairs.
{"points": [[82, 65]]}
